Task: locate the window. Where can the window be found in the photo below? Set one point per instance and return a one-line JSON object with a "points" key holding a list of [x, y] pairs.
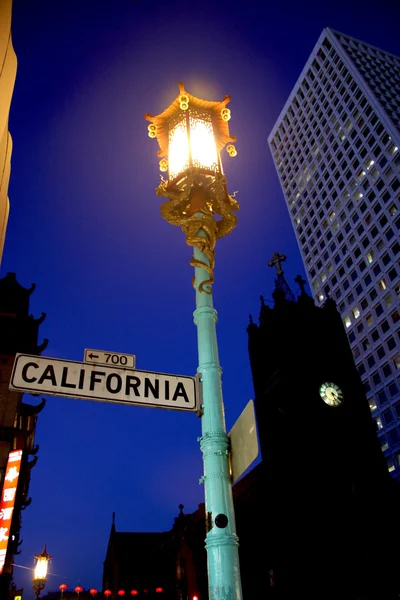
{"points": [[388, 416], [378, 310], [393, 436], [382, 397], [371, 361], [365, 344], [347, 322], [380, 352], [356, 312], [382, 285], [393, 389], [388, 300], [387, 370], [377, 269], [375, 335], [376, 378], [395, 316]]}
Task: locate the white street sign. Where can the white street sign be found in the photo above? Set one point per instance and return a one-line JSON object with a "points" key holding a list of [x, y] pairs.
{"points": [[113, 359], [68, 378]]}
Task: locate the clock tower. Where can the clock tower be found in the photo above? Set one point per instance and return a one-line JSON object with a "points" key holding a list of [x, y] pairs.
{"points": [[322, 466]]}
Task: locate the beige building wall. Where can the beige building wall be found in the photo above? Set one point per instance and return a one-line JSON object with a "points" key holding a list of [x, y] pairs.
{"points": [[8, 70]]}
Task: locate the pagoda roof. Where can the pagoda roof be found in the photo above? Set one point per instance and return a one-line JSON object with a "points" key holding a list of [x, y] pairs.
{"points": [[14, 298], [221, 127], [29, 409]]}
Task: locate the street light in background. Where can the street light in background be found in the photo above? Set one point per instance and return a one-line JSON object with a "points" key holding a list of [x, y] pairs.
{"points": [[40, 572], [191, 134]]}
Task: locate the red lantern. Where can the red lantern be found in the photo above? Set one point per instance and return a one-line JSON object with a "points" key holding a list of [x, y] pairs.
{"points": [[62, 587], [93, 591], [107, 593], [121, 592], [134, 593], [78, 589], [158, 590]]}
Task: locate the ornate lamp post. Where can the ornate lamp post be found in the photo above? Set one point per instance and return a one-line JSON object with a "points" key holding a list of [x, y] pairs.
{"points": [[40, 572], [191, 134]]}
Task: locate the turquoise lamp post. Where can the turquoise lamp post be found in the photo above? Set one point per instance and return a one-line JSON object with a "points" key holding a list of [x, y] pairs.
{"points": [[191, 134]]}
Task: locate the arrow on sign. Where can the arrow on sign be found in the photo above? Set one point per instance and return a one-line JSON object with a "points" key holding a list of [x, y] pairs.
{"points": [[93, 355]]}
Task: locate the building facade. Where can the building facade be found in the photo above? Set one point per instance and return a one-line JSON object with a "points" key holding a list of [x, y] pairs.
{"points": [[8, 70], [18, 333], [322, 470], [336, 148]]}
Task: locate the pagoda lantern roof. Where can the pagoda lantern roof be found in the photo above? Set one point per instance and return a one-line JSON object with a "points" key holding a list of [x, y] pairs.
{"points": [[220, 126]]}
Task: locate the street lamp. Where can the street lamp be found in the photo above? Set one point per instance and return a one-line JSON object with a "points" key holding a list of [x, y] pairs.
{"points": [[40, 572], [191, 134]]}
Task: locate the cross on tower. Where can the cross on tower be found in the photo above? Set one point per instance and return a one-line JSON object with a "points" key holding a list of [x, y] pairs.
{"points": [[302, 282], [276, 262]]}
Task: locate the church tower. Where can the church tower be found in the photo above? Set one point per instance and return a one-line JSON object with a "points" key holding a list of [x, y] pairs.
{"points": [[323, 468], [18, 333]]}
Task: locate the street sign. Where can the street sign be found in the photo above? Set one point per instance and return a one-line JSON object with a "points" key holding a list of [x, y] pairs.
{"points": [[72, 379], [114, 359], [244, 443]]}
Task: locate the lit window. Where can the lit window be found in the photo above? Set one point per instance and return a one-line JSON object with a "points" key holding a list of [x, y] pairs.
{"points": [[347, 322], [382, 285], [372, 404], [391, 467], [361, 174], [379, 423], [370, 320], [392, 149], [320, 297], [385, 446], [396, 361], [332, 215], [297, 219], [356, 312], [370, 162], [323, 277], [388, 300], [370, 256], [358, 195]]}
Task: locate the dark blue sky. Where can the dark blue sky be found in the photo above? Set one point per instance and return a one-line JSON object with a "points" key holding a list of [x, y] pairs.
{"points": [[111, 274]]}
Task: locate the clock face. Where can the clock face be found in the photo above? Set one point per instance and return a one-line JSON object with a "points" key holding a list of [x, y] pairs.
{"points": [[331, 394]]}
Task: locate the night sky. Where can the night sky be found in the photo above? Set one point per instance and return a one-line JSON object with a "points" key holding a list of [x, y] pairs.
{"points": [[111, 274]]}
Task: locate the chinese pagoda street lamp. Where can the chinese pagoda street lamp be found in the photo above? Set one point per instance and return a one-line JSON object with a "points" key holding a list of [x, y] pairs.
{"points": [[191, 134], [40, 572]]}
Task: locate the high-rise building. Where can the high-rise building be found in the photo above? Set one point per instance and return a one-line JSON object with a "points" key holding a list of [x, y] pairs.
{"points": [[336, 148]]}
